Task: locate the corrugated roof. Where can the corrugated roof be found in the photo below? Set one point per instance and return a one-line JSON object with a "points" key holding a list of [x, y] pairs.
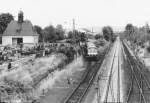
{"points": [[20, 29]]}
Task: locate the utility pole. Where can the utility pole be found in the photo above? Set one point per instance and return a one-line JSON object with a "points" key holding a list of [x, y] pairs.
{"points": [[73, 20], [73, 29], [74, 32]]}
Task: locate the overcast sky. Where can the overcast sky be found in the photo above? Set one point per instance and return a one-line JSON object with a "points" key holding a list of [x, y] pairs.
{"points": [[87, 13]]}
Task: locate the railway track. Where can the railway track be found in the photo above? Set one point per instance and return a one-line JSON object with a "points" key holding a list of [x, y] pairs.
{"points": [[110, 79], [81, 90], [109, 90], [118, 82], [139, 90]]}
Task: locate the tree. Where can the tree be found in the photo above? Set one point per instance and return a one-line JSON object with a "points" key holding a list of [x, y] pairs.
{"points": [[38, 29], [83, 37], [52, 34], [73, 36], [98, 36], [77, 36], [49, 34], [5, 19], [107, 33], [70, 35], [147, 29], [60, 32], [129, 29]]}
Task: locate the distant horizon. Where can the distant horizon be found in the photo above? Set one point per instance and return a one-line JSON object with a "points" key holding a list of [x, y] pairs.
{"points": [[95, 28], [115, 28], [88, 27], [87, 13]]}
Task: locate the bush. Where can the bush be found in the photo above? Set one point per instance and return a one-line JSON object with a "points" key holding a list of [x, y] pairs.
{"points": [[68, 51]]}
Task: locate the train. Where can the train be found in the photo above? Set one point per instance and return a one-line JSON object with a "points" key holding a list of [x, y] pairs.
{"points": [[91, 53]]}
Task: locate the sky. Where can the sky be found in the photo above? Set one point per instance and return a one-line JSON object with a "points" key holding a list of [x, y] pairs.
{"points": [[87, 13]]}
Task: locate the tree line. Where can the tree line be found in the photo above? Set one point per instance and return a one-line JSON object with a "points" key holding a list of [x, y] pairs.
{"points": [[108, 34], [48, 34], [136, 35], [52, 34]]}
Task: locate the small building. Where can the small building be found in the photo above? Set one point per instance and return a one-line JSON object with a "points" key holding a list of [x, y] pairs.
{"points": [[20, 31]]}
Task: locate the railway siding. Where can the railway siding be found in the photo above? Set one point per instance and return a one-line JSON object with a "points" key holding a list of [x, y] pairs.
{"points": [[82, 89], [98, 93], [92, 94], [140, 83]]}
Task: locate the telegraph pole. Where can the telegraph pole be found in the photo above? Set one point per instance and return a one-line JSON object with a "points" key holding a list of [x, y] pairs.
{"points": [[73, 21], [74, 33]]}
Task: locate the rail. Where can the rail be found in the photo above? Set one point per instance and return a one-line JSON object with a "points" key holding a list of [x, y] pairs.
{"points": [[109, 79], [81, 90], [137, 75], [118, 82]]}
